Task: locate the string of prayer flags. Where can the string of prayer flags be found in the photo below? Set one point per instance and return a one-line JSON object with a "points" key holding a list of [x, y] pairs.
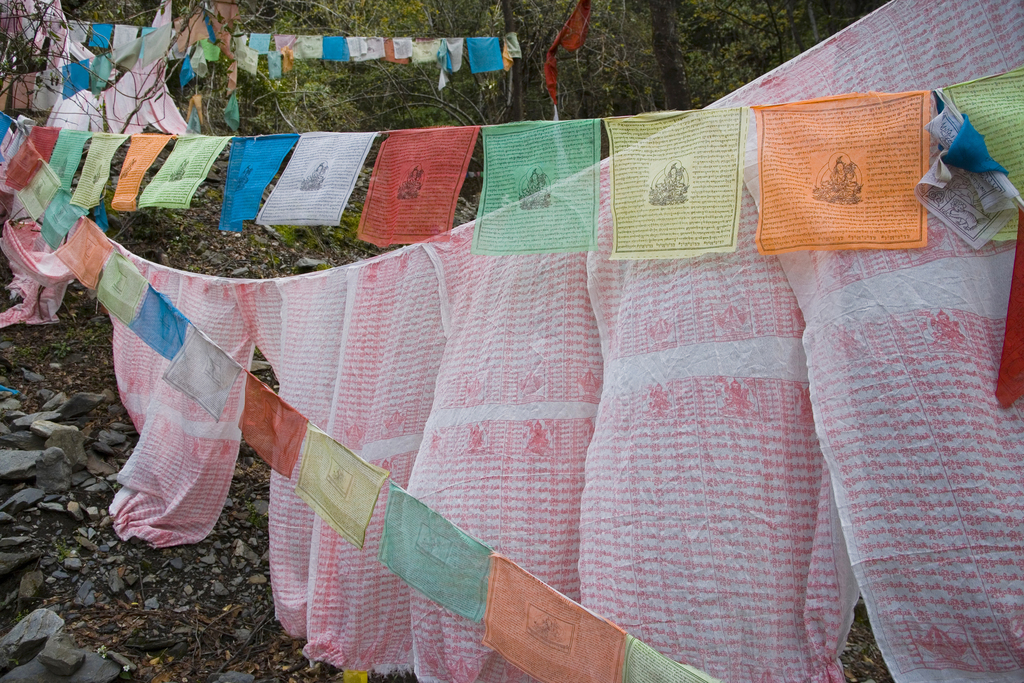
{"points": [[677, 182], [571, 38], [40, 191], [340, 486], [144, 150], [160, 324], [67, 155], [546, 634], [99, 75], [101, 36], [484, 55], [1010, 384], [644, 664], [541, 190], [993, 105], [415, 185], [335, 49], [424, 50], [318, 181], [44, 138], [188, 165], [308, 47], [76, 77], [281, 41], [58, 219], [840, 172], [253, 163], [274, 65], [271, 426], [260, 43], [23, 166], [202, 370], [434, 556], [121, 288], [97, 169], [85, 253], [231, 116]]}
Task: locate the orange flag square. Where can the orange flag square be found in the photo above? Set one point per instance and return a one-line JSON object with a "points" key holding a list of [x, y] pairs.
{"points": [[273, 428], [23, 166], [546, 634], [840, 172], [86, 252], [415, 183], [144, 150], [44, 138]]}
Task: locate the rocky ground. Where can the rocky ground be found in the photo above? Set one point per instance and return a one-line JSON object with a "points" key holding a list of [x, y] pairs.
{"points": [[190, 613]]}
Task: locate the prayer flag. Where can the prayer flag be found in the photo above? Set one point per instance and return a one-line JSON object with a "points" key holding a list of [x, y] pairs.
{"points": [[356, 48], [60, 216], [248, 60], [970, 153], [155, 44], [231, 117], [424, 51], [434, 556], [186, 74], [76, 77], [260, 43], [1010, 385], [44, 138], [281, 41], [374, 49], [402, 48], [571, 37], [203, 371], [840, 172], [484, 55], [160, 324], [512, 46], [97, 169], [308, 47], [21, 88], [389, 52], [127, 56], [67, 154], [101, 35], [100, 74], [23, 166], [144, 150], [335, 49], [318, 181], [454, 47], [85, 253], [287, 59], [252, 165], [274, 65], [210, 50], [644, 664], [123, 34], [188, 165], [541, 188], [99, 214], [40, 191], [78, 31], [546, 634], [198, 60], [5, 128], [340, 486], [677, 182], [415, 184], [273, 428], [121, 288]]}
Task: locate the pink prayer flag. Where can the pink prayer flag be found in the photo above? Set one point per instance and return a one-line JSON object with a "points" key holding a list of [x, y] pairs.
{"points": [[44, 138], [1010, 385]]}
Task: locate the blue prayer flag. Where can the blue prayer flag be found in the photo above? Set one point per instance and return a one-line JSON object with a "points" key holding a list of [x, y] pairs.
{"points": [[186, 73], [970, 152], [260, 42], [335, 49], [209, 30], [99, 216], [252, 165], [101, 34], [484, 55], [5, 127], [76, 77], [274, 65], [160, 324]]}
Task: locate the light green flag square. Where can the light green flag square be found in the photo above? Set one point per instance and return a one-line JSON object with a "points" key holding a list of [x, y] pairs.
{"points": [[542, 188], [96, 171], [434, 556], [121, 288], [644, 664], [61, 215], [67, 154], [178, 179], [340, 486], [995, 107], [308, 47], [40, 191]]}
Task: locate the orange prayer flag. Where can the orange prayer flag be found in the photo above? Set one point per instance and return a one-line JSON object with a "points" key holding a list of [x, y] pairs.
{"points": [[415, 184], [23, 166], [273, 428], [44, 138], [86, 251], [840, 172], [144, 150], [389, 53], [546, 634], [287, 59]]}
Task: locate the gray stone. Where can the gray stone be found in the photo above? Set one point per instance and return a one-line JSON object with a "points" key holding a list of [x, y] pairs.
{"points": [[72, 442], [44, 428], [151, 603], [98, 487], [21, 500], [99, 467], [31, 582], [18, 465], [11, 561], [259, 366], [52, 507], [177, 563], [61, 655], [75, 510], [32, 376], [14, 541], [29, 636], [54, 401], [23, 440], [73, 564], [5, 518], [114, 582], [44, 394], [230, 677], [111, 438], [219, 589], [260, 507], [80, 404], [79, 478], [93, 512], [102, 448], [53, 471], [26, 422], [238, 272], [10, 404], [95, 669], [304, 265]]}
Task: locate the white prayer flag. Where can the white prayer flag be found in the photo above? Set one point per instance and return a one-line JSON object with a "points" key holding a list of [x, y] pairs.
{"points": [[202, 370]]}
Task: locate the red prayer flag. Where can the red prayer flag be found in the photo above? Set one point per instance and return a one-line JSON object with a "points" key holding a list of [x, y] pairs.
{"points": [[44, 138], [23, 166], [415, 183], [273, 428], [1010, 385], [571, 37]]}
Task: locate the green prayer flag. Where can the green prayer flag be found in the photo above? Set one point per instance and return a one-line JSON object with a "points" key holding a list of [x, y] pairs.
{"points": [[308, 47], [542, 187], [121, 288], [187, 166], [512, 44], [198, 60], [210, 51], [67, 154], [61, 215], [434, 556], [99, 74], [644, 664], [195, 126], [40, 191], [274, 65], [96, 171], [231, 113]]}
